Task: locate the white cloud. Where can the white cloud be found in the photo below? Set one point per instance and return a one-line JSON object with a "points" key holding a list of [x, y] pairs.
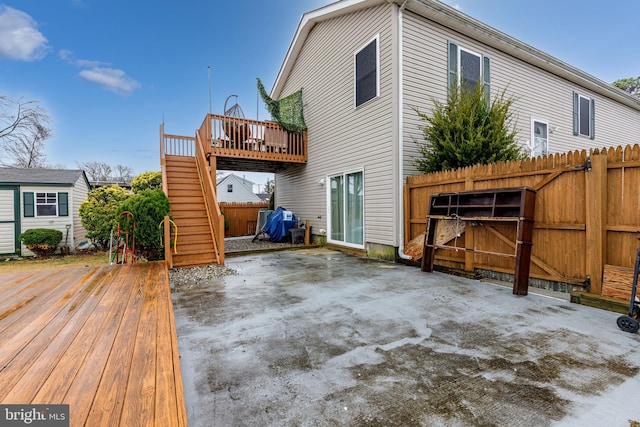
{"points": [[111, 79], [67, 55], [101, 73], [19, 36]]}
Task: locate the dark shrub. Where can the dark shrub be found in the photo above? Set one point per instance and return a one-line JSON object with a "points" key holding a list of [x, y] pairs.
{"points": [[149, 208], [41, 241], [98, 213]]}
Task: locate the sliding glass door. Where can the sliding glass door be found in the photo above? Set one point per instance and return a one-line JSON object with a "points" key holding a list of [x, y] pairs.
{"points": [[346, 211]]}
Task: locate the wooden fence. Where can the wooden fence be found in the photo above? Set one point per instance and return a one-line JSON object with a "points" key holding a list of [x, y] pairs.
{"points": [[587, 215], [241, 217]]}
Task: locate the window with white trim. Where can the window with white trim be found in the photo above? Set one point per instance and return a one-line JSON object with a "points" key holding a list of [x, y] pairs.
{"points": [[467, 67], [584, 116], [229, 188], [346, 209], [46, 204], [539, 137], [367, 77]]}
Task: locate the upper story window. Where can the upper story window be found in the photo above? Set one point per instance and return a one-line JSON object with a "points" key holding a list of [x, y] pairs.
{"points": [[466, 68], [229, 188], [367, 77], [584, 117]]}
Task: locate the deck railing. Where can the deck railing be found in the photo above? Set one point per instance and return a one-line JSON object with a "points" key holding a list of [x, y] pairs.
{"points": [[253, 139], [240, 138], [178, 145]]}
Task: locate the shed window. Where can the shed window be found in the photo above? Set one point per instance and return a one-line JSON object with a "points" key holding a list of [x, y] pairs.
{"points": [[229, 188], [46, 204], [366, 72]]}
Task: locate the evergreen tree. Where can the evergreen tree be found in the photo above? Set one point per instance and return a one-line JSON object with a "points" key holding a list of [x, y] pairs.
{"points": [[467, 130], [630, 85]]}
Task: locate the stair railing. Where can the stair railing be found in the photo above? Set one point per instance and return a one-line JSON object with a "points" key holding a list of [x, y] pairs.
{"points": [[214, 215], [163, 162]]}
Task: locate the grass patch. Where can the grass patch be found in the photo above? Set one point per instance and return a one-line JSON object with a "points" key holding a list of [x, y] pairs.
{"points": [[56, 262]]}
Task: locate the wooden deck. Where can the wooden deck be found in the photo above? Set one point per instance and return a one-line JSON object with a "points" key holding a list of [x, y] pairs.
{"points": [[101, 339]]}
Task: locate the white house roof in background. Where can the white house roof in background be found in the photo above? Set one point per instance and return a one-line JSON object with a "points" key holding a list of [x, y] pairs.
{"points": [[232, 176], [457, 21], [63, 177]]}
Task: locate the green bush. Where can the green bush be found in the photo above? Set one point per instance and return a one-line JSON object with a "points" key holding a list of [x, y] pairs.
{"points": [[41, 241], [98, 213], [146, 181], [149, 208], [468, 130]]}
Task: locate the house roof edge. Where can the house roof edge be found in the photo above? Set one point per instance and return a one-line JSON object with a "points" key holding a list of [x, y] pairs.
{"points": [[460, 22]]}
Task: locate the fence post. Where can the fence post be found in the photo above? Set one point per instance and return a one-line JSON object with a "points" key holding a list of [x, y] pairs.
{"points": [[596, 218], [168, 256]]}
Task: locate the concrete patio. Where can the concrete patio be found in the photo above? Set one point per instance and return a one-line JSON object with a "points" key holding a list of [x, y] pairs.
{"points": [[316, 337]]}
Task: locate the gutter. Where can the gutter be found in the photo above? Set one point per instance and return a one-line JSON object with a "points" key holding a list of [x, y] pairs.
{"points": [[401, 253]]}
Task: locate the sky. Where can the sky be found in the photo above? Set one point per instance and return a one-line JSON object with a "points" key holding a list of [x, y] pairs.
{"points": [[110, 72]]}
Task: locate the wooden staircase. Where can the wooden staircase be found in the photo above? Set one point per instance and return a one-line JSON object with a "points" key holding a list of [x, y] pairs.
{"points": [[189, 166], [195, 244]]}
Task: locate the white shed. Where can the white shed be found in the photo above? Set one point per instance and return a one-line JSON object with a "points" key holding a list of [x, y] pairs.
{"points": [[40, 198]]}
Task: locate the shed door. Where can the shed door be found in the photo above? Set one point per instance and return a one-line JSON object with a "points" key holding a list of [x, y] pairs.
{"points": [[9, 219]]}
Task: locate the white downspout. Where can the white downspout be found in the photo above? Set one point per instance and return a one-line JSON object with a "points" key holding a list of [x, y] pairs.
{"points": [[401, 253]]}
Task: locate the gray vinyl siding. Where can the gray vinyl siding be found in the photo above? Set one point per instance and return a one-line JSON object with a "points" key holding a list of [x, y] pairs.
{"points": [[424, 79], [538, 93], [342, 138]]}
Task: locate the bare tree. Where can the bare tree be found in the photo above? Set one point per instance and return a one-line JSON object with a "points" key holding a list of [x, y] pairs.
{"points": [[26, 150], [23, 131], [122, 173], [96, 171]]}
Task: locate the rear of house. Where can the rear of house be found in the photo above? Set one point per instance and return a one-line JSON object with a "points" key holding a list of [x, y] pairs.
{"points": [[40, 198], [364, 65]]}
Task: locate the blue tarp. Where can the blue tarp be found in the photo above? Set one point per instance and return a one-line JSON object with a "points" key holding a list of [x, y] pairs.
{"points": [[276, 226]]}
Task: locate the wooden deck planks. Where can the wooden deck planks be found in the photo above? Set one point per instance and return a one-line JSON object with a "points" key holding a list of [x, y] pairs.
{"points": [[27, 294], [109, 396], [38, 358], [82, 361], [40, 312], [104, 343], [173, 390]]}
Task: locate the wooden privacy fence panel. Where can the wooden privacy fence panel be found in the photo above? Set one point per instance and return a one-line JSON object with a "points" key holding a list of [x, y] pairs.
{"points": [[623, 216], [587, 214], [241, 217]]}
